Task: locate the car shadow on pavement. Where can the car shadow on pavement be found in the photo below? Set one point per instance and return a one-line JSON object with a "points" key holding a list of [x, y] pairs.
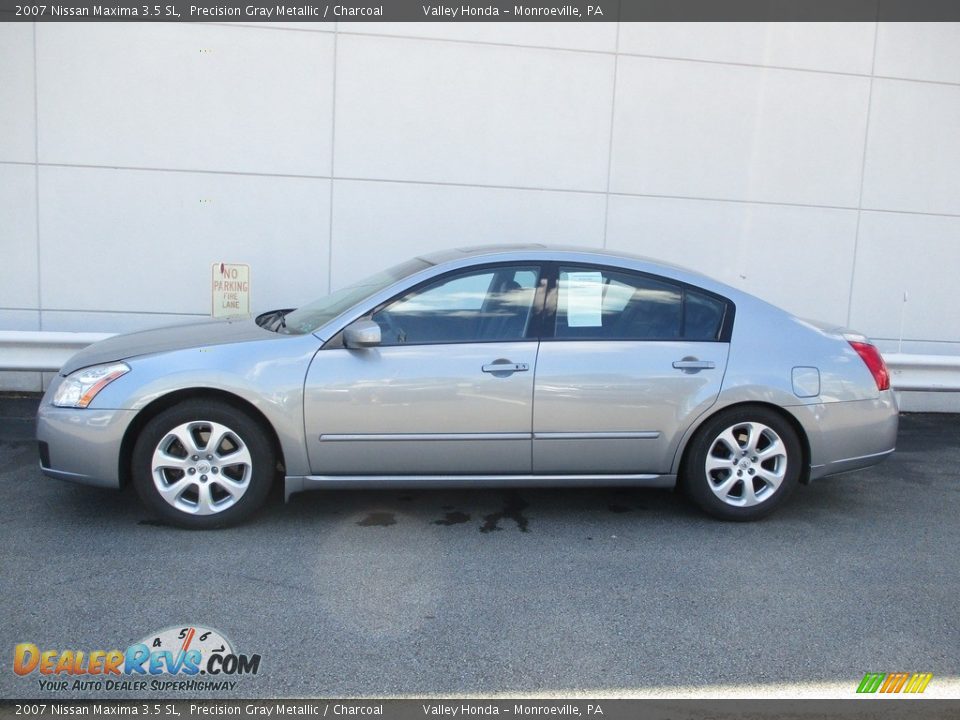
{"points": [[485, 511]]}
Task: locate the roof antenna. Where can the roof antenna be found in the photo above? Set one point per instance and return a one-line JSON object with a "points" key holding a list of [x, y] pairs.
{"points": [[903, 312]]}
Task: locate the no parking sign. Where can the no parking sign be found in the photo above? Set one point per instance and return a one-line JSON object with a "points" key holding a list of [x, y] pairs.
{"points": [[230, 289]]}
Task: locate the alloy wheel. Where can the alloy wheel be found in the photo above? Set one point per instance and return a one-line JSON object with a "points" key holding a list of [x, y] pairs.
{"points": [[201, 467], [746, 464]]}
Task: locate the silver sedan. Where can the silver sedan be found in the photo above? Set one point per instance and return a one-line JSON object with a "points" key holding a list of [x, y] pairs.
{"points": [[506, 366]]}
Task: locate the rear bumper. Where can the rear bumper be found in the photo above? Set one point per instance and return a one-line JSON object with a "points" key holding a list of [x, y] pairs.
{"points": [[849, 464], [846, 436], [82, 445]]}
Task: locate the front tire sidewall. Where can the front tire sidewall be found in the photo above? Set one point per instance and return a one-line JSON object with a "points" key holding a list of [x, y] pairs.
{"points": [[694, 477], [249, 431]]}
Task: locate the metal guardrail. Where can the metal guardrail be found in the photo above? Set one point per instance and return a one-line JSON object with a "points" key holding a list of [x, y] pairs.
{"points": [[48, 351], [41, 351], [924, 373]]}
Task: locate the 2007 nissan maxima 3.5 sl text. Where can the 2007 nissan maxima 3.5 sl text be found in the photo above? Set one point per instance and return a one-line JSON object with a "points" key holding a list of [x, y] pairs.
{"points": [[502, 365]]}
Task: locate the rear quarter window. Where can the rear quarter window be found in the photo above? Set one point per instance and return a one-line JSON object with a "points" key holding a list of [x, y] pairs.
{"points": [[702, 316], [608, 304]]}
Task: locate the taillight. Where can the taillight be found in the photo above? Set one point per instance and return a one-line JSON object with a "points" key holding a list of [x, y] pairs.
{"points": [[874, 361]]}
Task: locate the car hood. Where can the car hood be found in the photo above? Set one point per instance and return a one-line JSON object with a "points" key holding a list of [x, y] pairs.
{"points": [[165, 339]]}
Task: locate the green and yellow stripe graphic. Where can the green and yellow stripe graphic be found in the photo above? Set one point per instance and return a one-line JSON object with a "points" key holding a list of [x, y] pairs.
{"points": [[894, 682]]}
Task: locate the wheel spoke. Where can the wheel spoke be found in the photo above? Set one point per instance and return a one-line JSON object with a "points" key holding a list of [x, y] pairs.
{"points": [[723, 489], [748, 496], [754, 433], [729, 439], [774, 449], [715, 463], [171, 493], [234, 488], [163, 459], [204, 500], [238, 457], [185, 436], [773, 480], [217, 434]]}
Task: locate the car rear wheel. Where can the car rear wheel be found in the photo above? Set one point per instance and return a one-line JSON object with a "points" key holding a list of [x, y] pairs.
{"points": [[743, 463], [202, 464]]}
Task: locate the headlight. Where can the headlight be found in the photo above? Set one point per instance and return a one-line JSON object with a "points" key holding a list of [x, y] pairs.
{"points": [[80, 388]]}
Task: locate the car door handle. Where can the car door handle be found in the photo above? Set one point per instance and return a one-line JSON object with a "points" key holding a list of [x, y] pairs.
{"points": [[505, 367], [694, 364]]}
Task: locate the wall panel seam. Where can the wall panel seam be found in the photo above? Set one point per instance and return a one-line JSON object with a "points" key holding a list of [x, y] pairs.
{"points": [[613, 114], [481, 186], [333, 150], [863, 171], [649, 56], [36, 175]]}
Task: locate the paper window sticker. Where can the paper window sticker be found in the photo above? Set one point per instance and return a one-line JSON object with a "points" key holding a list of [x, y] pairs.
{"points": [[584, 299]]}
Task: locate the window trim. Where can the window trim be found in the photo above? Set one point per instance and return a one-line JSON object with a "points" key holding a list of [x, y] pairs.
{"points": [[534, 327], [549, 324]]}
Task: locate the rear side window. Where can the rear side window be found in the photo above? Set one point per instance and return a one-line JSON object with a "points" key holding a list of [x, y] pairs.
{"points": [[702, 316], [602, 304]]}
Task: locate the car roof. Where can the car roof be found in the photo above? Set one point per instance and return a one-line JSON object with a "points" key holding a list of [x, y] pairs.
{"points": [[555, 252]]}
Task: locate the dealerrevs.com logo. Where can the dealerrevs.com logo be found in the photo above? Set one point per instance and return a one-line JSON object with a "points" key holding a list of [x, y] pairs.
{"points": [[189, 658]]}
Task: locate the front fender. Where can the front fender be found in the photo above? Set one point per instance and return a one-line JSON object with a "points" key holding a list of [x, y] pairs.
{"points": [[268, 375]]}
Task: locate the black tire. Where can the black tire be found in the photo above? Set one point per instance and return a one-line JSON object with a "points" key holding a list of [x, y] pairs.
{"points": [[251, 481], [698, 483]]}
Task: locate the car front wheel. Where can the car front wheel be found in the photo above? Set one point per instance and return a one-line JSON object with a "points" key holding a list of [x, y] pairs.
{"points": [[743, 463], [202, 464]]}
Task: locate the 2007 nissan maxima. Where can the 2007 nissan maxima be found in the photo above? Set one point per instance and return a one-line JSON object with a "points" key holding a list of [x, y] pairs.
{"points": [[509, 366]]}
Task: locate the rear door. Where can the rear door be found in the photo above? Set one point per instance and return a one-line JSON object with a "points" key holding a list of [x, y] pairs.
{"points": [[632, 360]]}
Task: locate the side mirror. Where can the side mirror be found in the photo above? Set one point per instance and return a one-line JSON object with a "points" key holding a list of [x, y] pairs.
{"points": [[362, 334]]}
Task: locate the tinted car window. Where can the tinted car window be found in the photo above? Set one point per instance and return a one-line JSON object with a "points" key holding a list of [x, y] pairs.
{"points": [[702, 316], [602, 304], [490, 304]]}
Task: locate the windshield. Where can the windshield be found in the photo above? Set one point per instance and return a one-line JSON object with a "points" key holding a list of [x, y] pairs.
{"points": [[311, 316]]}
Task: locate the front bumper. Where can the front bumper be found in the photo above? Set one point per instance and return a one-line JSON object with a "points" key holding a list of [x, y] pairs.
{"points": [[82, 445]]}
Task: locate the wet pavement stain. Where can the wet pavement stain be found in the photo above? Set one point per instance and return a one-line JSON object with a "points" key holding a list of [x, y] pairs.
{"points": [[153, 523], [453, 518], [378, 519], [513, 509], [614, 508]]}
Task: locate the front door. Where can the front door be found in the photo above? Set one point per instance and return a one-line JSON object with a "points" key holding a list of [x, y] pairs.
{"points": [[448, 391]]}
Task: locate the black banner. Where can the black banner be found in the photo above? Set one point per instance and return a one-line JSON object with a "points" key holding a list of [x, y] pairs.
{"points": [[480, 11]]}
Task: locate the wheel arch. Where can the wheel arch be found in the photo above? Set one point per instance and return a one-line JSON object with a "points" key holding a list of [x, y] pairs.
{"points": [[168, 400], [691, 434]]}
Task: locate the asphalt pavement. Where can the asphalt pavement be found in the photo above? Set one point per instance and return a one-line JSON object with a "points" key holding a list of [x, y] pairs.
{"points": [[518, 592]]}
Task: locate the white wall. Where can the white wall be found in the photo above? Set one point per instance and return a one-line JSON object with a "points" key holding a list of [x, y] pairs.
{"points": [[815, 165]]}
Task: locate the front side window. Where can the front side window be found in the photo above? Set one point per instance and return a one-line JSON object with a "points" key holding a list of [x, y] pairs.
{"points": [[484, 305], [604, 304]]}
